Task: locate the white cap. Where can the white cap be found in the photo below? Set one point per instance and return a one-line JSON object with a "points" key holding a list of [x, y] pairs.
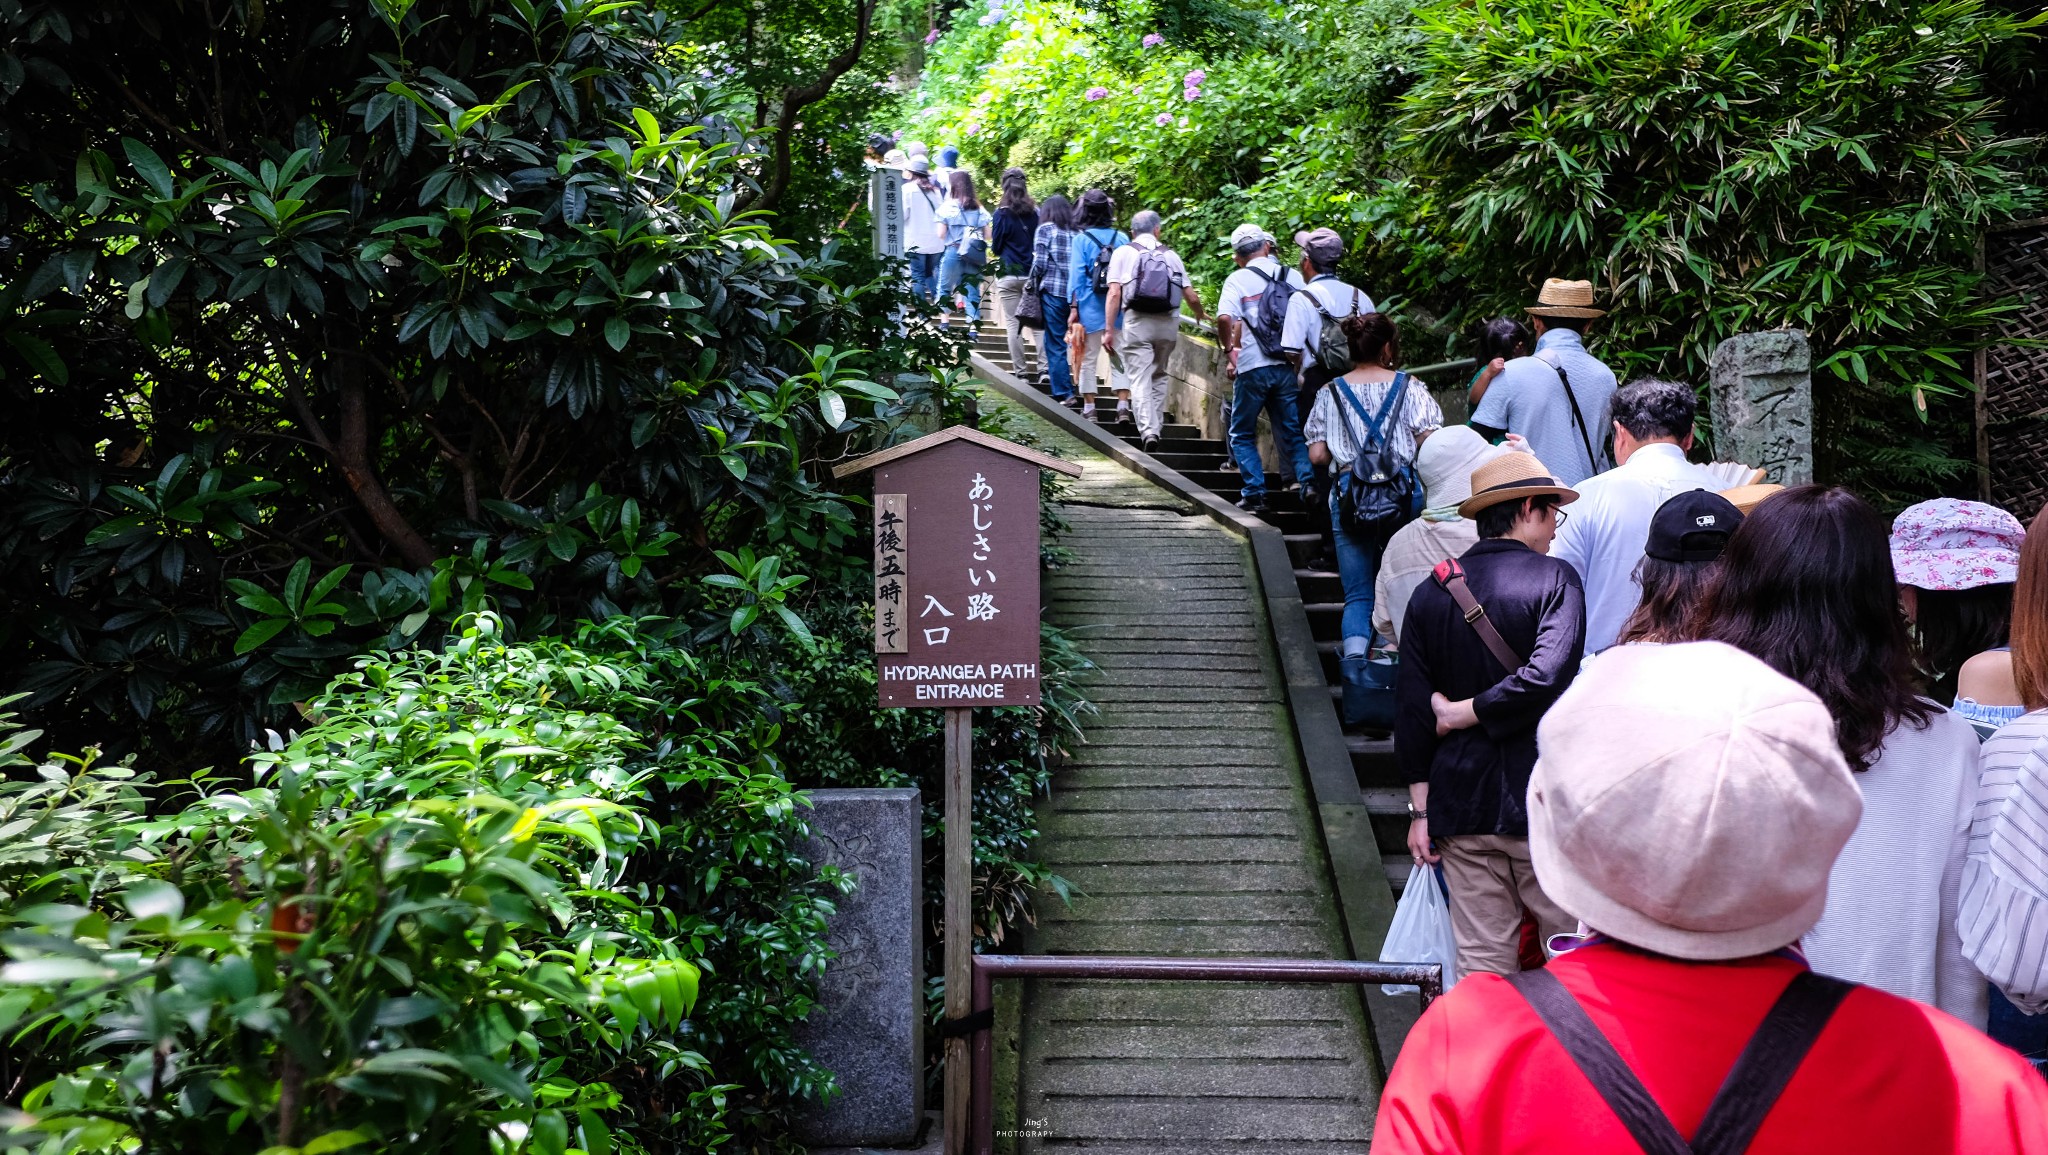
{"points": [[1249, 236]]}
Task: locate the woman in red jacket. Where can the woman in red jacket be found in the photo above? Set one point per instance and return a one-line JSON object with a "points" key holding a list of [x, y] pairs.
{"points": [[1688, 805]]}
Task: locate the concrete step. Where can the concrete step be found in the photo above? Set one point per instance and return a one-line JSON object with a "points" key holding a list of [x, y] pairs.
{"points": [[1195, 461], [1303, 547], [1325, 620], [1319, 585]]}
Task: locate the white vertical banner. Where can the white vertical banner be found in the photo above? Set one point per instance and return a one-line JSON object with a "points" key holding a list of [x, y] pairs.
{"points": [[885, 205]]}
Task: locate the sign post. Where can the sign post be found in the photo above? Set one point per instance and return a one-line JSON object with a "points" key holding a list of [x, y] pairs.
{"points": [[956, 626], [885, 205]]}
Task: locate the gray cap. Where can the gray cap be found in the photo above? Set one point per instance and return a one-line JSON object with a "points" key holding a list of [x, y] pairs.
{"points": [[1248, 237], [919, 164], [1323, 246]]}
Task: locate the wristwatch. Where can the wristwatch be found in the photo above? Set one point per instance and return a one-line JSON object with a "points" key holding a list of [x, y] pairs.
{"points": [[1413, 813]]}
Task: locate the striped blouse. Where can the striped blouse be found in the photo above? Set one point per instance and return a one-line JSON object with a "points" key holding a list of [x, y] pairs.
{"points": [[2004, 918]]}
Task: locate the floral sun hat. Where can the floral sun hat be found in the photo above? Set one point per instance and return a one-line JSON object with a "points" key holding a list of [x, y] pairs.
{"points": [[1947, 544]]}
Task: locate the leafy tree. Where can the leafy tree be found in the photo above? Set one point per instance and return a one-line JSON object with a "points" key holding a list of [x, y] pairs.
{"points": [[1719, 167], [324, 324]]}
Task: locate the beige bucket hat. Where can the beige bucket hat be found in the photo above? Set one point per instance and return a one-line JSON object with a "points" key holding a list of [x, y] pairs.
{"points": [[1511, 477], [1690, 800], [1565, 299]]}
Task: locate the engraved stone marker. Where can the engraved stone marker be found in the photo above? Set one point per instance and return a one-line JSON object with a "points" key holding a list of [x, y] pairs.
{"points": [[1763, 404], [868, 1028]]}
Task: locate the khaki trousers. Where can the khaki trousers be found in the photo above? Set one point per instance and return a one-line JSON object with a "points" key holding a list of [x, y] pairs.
{"points": [[1010, 293], [1147, 342], [1491, 883]]}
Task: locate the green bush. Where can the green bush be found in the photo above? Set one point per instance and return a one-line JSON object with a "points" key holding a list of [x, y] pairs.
{"points": [[467, 909]]}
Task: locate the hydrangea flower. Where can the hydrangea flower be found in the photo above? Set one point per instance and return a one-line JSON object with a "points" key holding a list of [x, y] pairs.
{"points": [[1191, 93], [1152, 40], [971, 129], [990, 17], [1163, 119], [932, 37], [1195, 78], [1183, 122], [1096, 93]]}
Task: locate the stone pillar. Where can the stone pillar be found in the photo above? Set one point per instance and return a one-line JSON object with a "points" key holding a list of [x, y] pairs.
{"points": [[1763, 404], [868, 1028]]}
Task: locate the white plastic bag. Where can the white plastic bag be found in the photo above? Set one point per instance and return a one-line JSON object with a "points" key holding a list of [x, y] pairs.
{"points": [[1421, 930]]}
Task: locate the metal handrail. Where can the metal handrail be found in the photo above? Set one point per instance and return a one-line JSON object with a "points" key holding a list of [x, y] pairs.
{"points": [[1428, 977]]}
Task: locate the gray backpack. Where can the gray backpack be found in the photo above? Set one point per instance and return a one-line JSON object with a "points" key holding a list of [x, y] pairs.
{"points": [[1333, 348]]}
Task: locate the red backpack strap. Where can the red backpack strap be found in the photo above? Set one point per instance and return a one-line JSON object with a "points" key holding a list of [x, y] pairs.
{"points": [[1450, 575]]}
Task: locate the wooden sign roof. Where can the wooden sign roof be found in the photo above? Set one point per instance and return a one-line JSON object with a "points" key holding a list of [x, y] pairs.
{"points": [[956, 433]]}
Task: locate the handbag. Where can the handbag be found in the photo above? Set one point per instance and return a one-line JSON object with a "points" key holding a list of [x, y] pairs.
{"points": [[1368, 683], [1031, 310]]}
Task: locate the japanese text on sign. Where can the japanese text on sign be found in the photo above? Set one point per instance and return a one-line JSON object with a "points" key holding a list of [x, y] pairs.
{"points": [[892, 533]]}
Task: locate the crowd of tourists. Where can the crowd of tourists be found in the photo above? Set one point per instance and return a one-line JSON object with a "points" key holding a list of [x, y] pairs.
{"points": [[1738, 793]]}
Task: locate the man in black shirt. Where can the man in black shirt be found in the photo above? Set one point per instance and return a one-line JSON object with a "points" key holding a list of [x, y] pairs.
{"points": [[1490, 641]]}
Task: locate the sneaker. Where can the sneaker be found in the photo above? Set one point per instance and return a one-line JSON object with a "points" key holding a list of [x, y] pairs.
{"points": [[1088, 410], [1123, 411], [1071, 401], [1251, 504], [1148, 443]]}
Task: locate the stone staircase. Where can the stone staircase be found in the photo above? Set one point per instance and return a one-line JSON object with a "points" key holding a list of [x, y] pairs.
{"points": [[1206, 462]]}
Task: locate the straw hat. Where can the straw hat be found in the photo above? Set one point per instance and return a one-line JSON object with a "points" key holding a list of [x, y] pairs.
{"points": [[1511, 477], [1565, 299], [1747, 497]]}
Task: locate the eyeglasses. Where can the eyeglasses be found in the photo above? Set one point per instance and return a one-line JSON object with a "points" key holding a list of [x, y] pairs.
{"points": [[1559, 511]]}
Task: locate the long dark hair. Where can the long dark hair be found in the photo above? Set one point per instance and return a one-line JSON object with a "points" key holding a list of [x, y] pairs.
{"points": [[1807, 585], [1057, 210], [961, 187], [1097, 210], [1671, 599], [1016, 194], [1953, 626]]}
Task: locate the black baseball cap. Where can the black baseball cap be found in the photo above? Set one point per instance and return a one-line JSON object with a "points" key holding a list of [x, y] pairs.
{"points": [[1692, 526]]}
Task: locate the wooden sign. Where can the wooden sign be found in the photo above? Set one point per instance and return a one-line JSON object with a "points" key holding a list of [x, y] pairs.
{"points": [[956, 626], [956, 570], [885, 206]]}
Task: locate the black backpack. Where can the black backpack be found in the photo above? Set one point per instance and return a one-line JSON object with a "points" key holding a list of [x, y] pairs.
{"points": [[1270, 319], [1153, 289], [1098, 272], [1379, 494]]}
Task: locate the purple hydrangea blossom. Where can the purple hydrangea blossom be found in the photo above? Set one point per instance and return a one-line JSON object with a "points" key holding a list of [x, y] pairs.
{"points": [[932, 37], [1191, 93], [1096, 93], [990, 17], [1195, 78], [1163, 119], [971, 129], [1152, 40]]}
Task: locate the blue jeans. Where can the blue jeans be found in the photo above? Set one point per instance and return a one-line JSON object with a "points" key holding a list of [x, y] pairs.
{"points": [[1269, 388], [1054, 346], [954, 275], [1358, 566], [2025, 1033], [924, 275]]}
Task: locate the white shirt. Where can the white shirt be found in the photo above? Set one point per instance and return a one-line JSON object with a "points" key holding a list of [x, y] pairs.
{"points": [[1893, 895], [1419, 414], [1242, 292], [1605, 530], [921, 219], [1304, 328], [2004, 914]]}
